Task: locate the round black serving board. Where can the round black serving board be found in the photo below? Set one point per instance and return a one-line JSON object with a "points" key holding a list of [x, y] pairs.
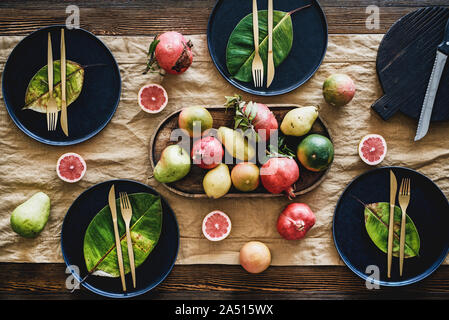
{"points": [[404, 63]]}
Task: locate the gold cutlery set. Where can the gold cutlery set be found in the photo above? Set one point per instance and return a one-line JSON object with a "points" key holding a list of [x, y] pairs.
{"points": [[126, 210], [257, 66], [52, 107], [404, 200]]}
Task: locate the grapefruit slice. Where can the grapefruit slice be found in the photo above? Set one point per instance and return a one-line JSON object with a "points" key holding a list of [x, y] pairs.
{"points": [[216, 226], [71, 167], [372, 149], [152, 98]]}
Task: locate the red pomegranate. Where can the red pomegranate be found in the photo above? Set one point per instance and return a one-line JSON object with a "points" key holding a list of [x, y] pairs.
{"points": [[279, 174], [172, 52], [207, 152], [264, 121], [295, 221]]}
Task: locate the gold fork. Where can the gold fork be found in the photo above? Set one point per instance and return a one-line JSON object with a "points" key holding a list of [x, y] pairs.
{"points": [[52, 107], [404, 200], [257, 67], [127, 212]]}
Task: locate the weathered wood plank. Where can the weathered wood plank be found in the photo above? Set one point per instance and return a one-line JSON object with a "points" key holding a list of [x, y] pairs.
{"points": [[153, 19], [47, 281]]}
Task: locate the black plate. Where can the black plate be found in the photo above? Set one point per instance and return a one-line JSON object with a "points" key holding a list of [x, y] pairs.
{"points": [[149, 274], [428, 208], [98, 100], [308, 50]]}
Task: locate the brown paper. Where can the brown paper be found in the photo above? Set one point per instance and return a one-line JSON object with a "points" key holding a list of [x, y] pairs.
{"points": [[121, 151]]}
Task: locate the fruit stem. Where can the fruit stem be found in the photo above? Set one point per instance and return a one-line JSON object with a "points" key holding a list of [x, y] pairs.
{"points": [[290, 193], [298, 224]]}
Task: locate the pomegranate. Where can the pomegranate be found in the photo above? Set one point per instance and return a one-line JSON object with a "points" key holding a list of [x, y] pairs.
{"points": [[279, 174], [255, 257], [171, 51], [207, 152], [264, 121], [294, 222], [253, 116]]}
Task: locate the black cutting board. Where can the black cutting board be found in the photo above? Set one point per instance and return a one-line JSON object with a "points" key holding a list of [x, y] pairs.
{"points": [[404, 63]]}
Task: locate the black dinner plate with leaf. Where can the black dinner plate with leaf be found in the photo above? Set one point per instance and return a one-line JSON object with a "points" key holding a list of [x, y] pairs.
{"points": [[299, 42], [93, 85], [88, 243], [360, 227]]}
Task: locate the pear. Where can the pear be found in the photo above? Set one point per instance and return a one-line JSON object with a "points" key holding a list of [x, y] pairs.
{"points": [[29, 218], [299, 121], [217, 182], [236, 144], [173, 165]]}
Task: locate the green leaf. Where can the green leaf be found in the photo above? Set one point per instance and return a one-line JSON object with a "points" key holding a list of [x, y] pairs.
{"points": [[100, 252], [376, 223], [36, 96], [240, 48]]}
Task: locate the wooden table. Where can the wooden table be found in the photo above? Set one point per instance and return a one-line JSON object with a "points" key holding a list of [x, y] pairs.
{"points": [[140, 17]]}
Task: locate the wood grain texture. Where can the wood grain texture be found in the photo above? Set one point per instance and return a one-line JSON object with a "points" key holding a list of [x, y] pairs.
{"points": [[189, 17], [192, 184], [143, 17], [197, 282], [411, 45]]}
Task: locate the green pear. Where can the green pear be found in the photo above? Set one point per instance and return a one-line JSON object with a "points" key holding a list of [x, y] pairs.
{"points": [[236, 144], [29, 218], [299, 121], [173, 165], [217, 182]]}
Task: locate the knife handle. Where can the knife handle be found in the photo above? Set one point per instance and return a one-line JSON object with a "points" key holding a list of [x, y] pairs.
{"points": [[390, 240], [119, 254], [270, 25]]}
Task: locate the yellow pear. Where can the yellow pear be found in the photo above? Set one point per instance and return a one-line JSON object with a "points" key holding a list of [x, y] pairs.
{"points": [[299, 121], [236, 144], [217, 182]]}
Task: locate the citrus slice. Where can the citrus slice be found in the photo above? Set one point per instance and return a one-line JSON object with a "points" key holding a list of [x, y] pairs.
{"points": [[216, 226], [372, 149], [71, 167], [152, 98]]}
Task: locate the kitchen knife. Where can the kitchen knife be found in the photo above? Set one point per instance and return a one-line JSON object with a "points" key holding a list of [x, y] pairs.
{"points": [[432, 87], [393, 189], [270, 62], [113, 207], [64, 124]]}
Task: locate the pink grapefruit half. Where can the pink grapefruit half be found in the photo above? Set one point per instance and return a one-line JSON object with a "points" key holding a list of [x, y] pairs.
{"points": [[71, 167], [216, 225], [372, 149], [152, 98]]}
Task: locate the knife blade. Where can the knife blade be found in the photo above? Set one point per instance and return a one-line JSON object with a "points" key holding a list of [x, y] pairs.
{"points": [[432, 87], [393, 189], [113, 207], [64, 124], [270, 62]]}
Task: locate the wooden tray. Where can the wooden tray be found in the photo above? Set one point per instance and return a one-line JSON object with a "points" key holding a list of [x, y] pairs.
{"points": [[404, 63], [192, 184]]}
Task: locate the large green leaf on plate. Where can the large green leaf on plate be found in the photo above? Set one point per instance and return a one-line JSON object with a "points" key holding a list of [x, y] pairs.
{"points": [[240, 48], [376, 223], [36, 96], [100, 252]]}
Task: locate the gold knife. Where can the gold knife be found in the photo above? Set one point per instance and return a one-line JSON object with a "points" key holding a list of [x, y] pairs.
{"points": [[64, 124], [112, 206], [270, 62], [393, 189]]}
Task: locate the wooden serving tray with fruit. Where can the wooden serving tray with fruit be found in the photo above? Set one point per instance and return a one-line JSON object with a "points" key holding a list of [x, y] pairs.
{"points": [[191, 185]]}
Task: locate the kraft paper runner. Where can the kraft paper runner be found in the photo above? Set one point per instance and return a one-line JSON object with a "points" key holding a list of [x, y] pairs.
{"points": [[121, 151]]}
